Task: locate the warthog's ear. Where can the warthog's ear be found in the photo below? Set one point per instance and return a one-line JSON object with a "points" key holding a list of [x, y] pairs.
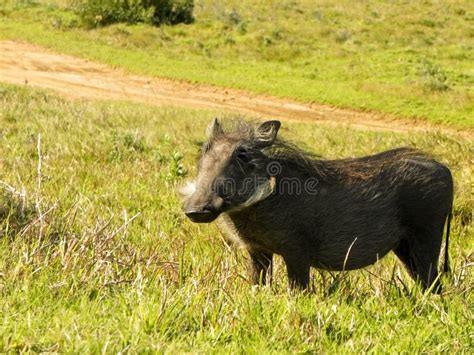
{"points": [[214, 129], [266, 133]]}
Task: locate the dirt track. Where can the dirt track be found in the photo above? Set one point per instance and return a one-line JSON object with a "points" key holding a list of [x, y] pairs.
{"points": [[22, 63]]}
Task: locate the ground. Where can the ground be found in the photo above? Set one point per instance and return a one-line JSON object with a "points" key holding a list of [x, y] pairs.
{"points": [[97, 256], [409, 59], [26, 64]]}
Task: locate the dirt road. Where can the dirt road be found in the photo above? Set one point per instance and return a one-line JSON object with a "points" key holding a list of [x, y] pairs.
{"points": [[22, 63]]}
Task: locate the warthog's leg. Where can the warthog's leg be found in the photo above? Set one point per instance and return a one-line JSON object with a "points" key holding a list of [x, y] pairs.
{"points": [[425, 250], [420, 253], [403, 253], [260, 267], [298, 271]]}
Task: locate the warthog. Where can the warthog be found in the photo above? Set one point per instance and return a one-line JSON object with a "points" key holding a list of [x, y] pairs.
{"points": [[341, 214]]}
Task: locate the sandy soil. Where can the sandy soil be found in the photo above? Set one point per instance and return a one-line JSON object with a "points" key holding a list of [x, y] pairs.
{"points": [[28, 64]]}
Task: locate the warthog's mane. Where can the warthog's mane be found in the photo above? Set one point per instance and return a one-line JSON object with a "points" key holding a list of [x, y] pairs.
{"points": [[245, 134]]}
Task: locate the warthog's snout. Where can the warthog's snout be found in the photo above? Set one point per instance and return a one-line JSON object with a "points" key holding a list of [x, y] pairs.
{"points": [[204, 212]]}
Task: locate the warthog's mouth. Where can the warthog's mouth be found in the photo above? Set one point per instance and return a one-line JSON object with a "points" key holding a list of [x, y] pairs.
{"points": [[202, 216]]}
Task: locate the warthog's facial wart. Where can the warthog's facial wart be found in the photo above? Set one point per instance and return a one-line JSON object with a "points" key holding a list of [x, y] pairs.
{"points": [[264, 190]]}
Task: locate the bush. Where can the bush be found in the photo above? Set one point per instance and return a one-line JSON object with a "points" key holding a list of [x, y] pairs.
{"points": [[105, 12], [433, 76]]}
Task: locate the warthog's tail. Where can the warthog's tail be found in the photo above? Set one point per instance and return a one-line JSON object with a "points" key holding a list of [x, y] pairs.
{"points": [[446, 248]]}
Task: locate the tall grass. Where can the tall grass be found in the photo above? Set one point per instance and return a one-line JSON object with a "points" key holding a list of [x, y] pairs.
{"points": [[96, 255]]}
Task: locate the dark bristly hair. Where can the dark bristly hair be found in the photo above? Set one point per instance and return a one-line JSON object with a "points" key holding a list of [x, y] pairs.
{"points": [[343, 214], [244, 134]]}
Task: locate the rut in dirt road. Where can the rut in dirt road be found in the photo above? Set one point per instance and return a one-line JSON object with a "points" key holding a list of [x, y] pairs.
{"points": [[22, 63]]}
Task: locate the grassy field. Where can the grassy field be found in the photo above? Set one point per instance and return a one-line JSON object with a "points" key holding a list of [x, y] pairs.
{"points": [[408, 58], [96, 255]]}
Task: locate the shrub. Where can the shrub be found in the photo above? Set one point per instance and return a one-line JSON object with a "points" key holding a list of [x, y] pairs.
{"points": [[433, 76], [105, 12]]}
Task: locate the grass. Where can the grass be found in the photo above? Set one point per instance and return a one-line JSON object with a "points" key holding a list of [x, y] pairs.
{"points": [[410, 59], [96, 255]]}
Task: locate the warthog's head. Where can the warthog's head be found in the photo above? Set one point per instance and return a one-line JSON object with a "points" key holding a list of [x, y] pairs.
{"points": [[232, 171]]}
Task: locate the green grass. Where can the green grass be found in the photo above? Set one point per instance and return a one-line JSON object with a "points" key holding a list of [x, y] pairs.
{"points": [[410, 59], [113, 265]]}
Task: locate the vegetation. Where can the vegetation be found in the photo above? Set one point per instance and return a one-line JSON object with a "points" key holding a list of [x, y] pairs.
{"points": [[105, 12], [96, 255], [407, 58], [95, 252]]}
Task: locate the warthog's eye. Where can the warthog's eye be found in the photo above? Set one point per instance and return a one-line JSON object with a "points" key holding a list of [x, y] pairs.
{"points": [[243, 155]]}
